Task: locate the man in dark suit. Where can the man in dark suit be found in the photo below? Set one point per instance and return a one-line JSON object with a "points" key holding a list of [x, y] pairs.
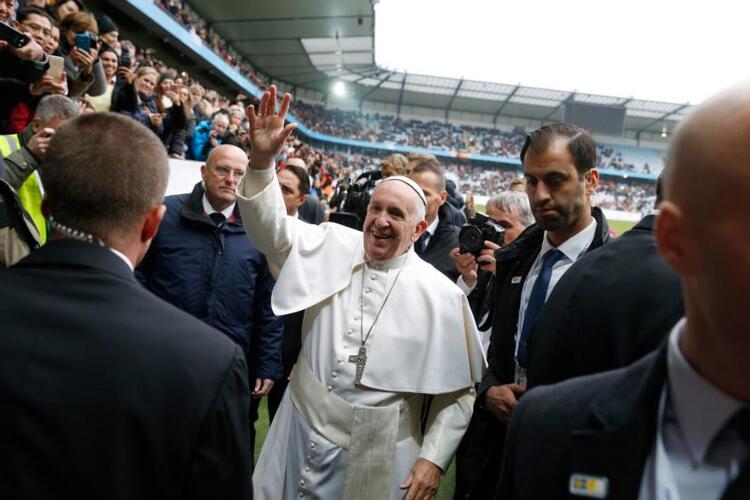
{"points": [[613, 306], [107, 391], [295, 183], [441, 236], [677, 423], [558, 162]]}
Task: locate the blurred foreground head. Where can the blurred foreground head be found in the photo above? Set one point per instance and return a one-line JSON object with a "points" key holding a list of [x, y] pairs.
{"points": [[702, 230], [105, 174]]}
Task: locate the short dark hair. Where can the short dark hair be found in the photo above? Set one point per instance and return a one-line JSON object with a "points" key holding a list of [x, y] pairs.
{"points": [[581, 145], [430, 165], [25, 12], [96, 185], [302, 175]]}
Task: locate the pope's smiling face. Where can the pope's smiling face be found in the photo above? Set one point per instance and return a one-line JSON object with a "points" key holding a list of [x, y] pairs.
{"points": [[392, 222]]}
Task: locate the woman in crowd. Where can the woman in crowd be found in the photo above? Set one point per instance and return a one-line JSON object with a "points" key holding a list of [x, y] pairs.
{"points": [[135, 96], [82, 67], [110, 63]]}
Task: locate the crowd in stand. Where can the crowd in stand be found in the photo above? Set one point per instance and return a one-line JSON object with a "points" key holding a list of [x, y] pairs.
{"points": [[439, 136]]}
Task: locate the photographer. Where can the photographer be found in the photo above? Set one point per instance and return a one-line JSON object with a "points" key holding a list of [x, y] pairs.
{"points": [[79, 44], [511, 211], [110, 63], [208, 134]]}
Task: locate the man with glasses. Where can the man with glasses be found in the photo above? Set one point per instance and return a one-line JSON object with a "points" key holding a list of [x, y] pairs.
{"points": [[35, 22], [202, 262]]}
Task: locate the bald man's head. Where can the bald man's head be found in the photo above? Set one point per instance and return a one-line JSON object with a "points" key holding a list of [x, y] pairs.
{"points": [[709, 154], [703, 229], [224, 169]]}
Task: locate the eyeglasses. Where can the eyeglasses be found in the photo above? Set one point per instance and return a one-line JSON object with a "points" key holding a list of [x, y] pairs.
{"points": [[227, 172]]}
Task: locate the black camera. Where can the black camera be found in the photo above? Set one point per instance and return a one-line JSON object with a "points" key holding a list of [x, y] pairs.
{"points": [[473, 234], [351, 199]]}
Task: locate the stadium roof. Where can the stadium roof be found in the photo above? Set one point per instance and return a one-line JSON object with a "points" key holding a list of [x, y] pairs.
{"points": [[314, 44]]}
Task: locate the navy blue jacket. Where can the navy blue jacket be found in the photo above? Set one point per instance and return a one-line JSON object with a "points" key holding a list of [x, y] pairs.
{"points": [[217, 275]]}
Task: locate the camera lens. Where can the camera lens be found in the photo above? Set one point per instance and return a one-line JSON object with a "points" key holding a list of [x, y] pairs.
{"points": [[470, 239]]}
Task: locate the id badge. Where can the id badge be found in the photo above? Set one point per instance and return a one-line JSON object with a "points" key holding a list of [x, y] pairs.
{"points": [[520, 376]]}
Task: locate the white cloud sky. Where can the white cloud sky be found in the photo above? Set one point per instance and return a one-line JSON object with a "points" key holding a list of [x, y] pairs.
{"points": [[676, 51]]}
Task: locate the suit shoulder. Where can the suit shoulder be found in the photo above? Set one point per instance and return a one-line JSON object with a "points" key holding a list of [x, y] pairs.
{"points": [[569, 399]]}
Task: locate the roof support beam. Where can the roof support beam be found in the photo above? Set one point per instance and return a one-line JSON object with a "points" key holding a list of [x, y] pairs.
{"points": [[374, 88], [453, 98], [401, 96], [562, 103], [502, 106], [661, 118]]}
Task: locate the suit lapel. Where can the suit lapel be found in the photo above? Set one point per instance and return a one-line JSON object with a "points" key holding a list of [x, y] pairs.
{"points": [[614, 447]]}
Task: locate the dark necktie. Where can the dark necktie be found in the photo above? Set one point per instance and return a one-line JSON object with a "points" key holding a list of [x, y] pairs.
{"points": [[536, 302], [421, 245], [218, 218], [739, 488]]}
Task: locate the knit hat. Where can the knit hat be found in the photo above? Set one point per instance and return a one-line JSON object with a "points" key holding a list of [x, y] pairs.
{"points": [[106, 25]]}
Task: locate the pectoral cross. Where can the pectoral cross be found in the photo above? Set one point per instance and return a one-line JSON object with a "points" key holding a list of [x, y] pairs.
{"points": [[359, 359]]}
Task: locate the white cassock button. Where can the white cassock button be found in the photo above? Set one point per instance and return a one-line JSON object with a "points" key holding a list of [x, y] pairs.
{"points": [[302, 482], [312, 445], [356, 318], [309, 457], [334, 375], [368, 290], [330, 388], [339, 361], [307, 469], [301, 494], [373, 277]]}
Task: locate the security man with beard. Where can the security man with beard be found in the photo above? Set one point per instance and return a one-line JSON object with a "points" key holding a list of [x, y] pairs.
{"points": [[558, 162]]}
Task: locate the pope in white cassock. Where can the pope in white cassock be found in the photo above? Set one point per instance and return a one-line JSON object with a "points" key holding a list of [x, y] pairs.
{"points": [[382, 330]]}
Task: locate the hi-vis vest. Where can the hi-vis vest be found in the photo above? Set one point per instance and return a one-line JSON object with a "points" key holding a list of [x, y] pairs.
{"points": [[32, 191]]}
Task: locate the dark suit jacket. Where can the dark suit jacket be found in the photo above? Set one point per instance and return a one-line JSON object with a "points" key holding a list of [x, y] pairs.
{"points": [[612, 307], [601, 425], [441, 243], [109, 392], [480, 453], [312, 211]]}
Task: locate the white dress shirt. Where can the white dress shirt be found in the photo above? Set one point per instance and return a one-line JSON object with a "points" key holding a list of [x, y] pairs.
{"points": [[572, 250], [227, 212], [430, 231], [695, 456]]}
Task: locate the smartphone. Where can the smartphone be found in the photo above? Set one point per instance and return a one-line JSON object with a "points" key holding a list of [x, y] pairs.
{"points": [[14, 37], [83, 41], [125, 59], [56, 67]]}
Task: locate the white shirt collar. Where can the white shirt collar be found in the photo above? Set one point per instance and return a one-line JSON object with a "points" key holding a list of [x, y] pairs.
{"points": [[433, 226], [391, 263], [227, 212], [123, 257], [573, 247], [702, 410]]}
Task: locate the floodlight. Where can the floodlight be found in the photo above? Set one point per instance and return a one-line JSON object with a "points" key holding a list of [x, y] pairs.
{"points": [[339, 88]]}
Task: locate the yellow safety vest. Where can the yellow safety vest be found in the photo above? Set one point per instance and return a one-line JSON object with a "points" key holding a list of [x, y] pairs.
{"points": [[31, 191]]}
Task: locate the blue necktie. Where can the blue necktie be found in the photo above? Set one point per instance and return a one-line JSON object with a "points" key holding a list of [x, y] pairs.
{"points": [[421, 245], [536, 302]]}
